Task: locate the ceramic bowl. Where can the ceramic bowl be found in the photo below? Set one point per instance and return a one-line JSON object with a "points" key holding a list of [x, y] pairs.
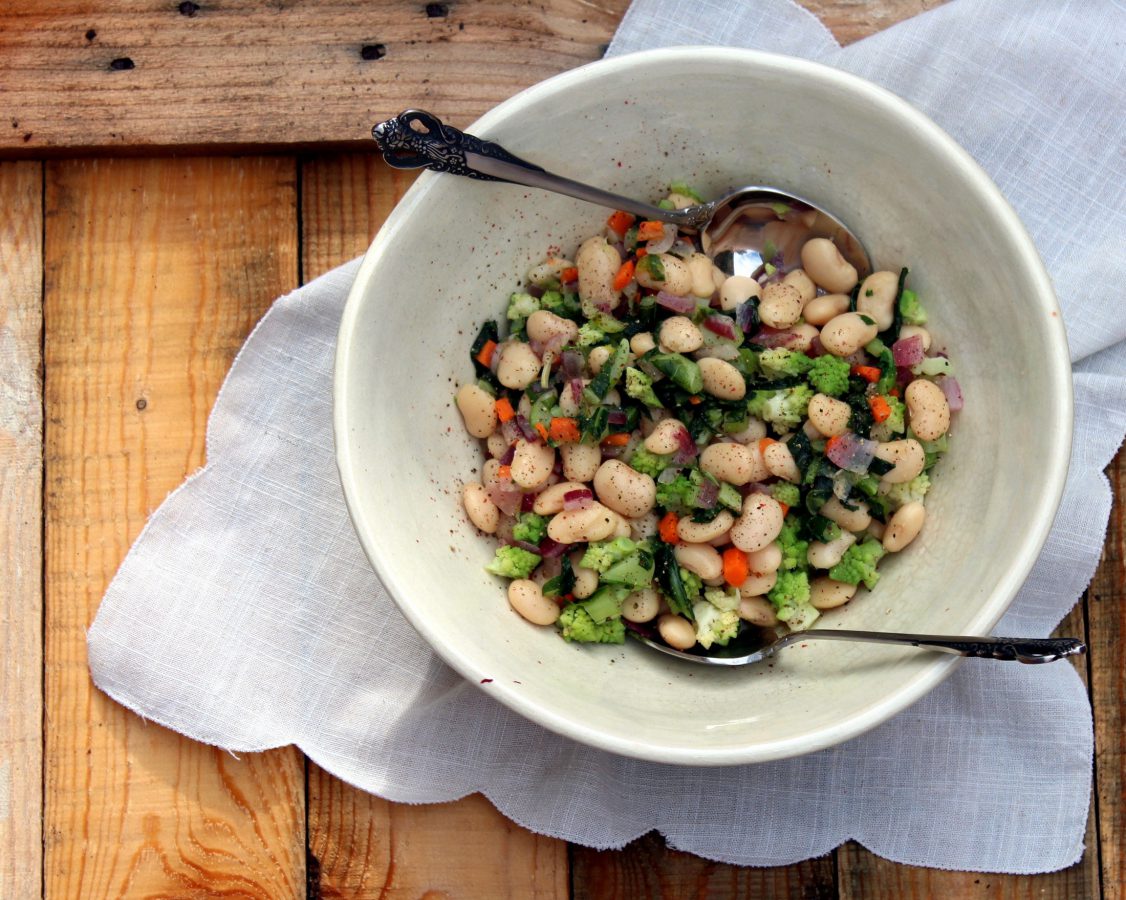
{"points": [[453, 250]]}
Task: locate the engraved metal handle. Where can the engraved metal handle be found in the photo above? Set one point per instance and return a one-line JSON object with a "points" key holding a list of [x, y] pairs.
{"points": [[1025, 650], [415, 139]]}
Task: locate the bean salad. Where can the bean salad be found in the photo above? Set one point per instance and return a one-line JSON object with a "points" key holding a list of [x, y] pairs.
{"points": [[696, 456]]}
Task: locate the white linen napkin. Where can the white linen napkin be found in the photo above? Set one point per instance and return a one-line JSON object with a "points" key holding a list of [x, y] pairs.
{"points": [[247, 616]]}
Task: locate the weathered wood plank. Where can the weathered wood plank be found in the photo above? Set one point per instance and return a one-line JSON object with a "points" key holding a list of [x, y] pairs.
{"points": [[1106, 600], [84, 74], [21, 529], [155, 272], [365, 846], [851, 20]]}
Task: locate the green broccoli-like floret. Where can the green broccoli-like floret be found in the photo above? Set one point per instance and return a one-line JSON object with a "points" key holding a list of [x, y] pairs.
{"points": [[859, 564], [911, 308], [603, 554], [714, 625], [634, 571], [778, 362], [590, 335], [793, 548], [578, 626], [565, 305], [678, 495], [648, 463], [894, 424], [513, 562], [829, 375], [912, 491], [787, 493], [530, 528], [640, 387], [785, 408], [693, 584], [790, 598], [520, 306]]}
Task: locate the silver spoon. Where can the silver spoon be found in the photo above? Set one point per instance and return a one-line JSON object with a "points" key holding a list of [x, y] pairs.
{"points": [[742, 232], [1025, 650]]}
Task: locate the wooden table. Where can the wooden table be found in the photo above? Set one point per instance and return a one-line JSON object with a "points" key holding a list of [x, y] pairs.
{"points": [[170, 168]]}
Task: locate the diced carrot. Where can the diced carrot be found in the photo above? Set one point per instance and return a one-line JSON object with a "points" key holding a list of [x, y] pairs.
{"points": [[504, 409], [666, 528], [650, 230], [625, 274], [868, 373], [894, 392], [564, 430], [541, 428], [695, 399], [735, 567], [569, 275], [620, 222], [832, 442], [616, 440], [504, 472], [640, 252], [485, 356], [880, 408], [764, 443], [785, 507]]}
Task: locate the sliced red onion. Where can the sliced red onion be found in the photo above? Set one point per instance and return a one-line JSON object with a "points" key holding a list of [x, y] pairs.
{"points": [[535, 290], [707, 494], [721, 325], [526, 430], [673, 303], [578, 499], [664, 243], [775, 337], [952, 390], [524, 545], [682, 248], [506, 457], [571, 363], [816, 348], [745, 315], [527, 502], [509, 432], [851, 452], [908, 351], [686, 448], [617, 417], [576, 387], [903, 377], [757, 487], [550, 549], [505, 495]]}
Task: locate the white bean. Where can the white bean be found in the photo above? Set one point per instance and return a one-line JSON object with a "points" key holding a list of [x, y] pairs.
{"points": [[907, 456], [801, 336], [701, 532], [519, 366], [757, 611], [595, 523], [644, 527], [758, 584], [754, 432], [526, 597], [843, 335], [825, 593], [641, 606], [823, 263], [490, 472], [481, 510], [849, 519], [904, 526], [877, 298], [758, 524], [806, 288], [766, 560], [586, 580], [580, 461], [549, 501], [780, 462], [928, 411], [702, 559], [597, 263], [598, 358], [549, 272], [623, 489], [736, 290], [781, 305], [543, 325], [496, 445], [829, 415], [823, 309], [722, 380], [665, 437], [737, 464], [678, 633], [826, 554], [677, 280], [680, 335], [478, 410], [641, 343], [700, 269], [532, 464]]}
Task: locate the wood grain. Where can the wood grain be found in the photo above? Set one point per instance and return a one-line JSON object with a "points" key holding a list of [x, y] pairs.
{"points": [[1107, 637], [87, 74], [21, 529], [155, 272], [851, 20], [365, 846]]}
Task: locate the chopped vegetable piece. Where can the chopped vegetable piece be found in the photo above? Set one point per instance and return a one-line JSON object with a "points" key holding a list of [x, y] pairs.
{"points": [[504, 409], [616, 440], [620, 222], [880, 408], [564, 430], [869, 373], [513, 562], [485, 356], [735, 566], [829, 375], [650, 230], [859, 564], [504, 472], [569, 275], [530, 528], [624, 275]]}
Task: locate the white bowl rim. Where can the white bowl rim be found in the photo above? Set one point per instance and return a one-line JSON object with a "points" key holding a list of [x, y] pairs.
{"points": [[1043, 301]]}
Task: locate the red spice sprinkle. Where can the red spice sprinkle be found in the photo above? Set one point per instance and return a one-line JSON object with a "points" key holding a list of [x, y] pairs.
{"points": [[486, 681]]}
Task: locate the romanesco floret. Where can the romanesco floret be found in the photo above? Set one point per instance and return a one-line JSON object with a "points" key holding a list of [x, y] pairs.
{"points": [[785, 408], [565, 305], [714, 625], [590, 335], [723, 598], [829, 375], [778, 362], [692, 583], [790, 598], [577, 625], [787, 493], [648, 463], [530, 528], [678, 495], [640, 387], [513, 562], [520, 306], [603, 554], [859, 564], [912, 491], [911, 308], [793, 548], [894, 424]]}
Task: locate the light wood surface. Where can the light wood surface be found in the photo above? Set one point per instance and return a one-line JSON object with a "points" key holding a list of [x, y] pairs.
{"points": [[153, 271]]}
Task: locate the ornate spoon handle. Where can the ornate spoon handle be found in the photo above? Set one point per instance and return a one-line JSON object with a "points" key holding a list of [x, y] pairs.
{"points": [[1025, 650]]}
